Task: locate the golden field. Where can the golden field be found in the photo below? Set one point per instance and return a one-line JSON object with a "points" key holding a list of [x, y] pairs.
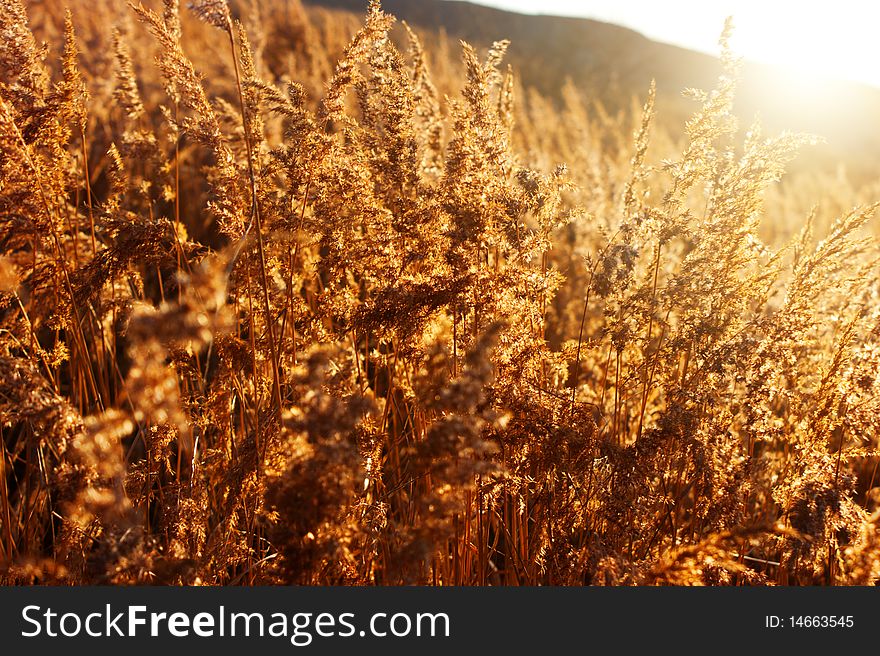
{"points": [[293, 296]]}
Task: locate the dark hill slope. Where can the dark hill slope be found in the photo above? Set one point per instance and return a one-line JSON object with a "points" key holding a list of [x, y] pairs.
{"points": [[613, 64]]}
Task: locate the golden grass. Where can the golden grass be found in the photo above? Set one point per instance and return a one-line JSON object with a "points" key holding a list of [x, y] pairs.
{"points": [[269, 319]]}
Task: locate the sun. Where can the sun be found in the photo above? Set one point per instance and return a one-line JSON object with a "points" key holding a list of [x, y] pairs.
{"points": [[811, 39]]}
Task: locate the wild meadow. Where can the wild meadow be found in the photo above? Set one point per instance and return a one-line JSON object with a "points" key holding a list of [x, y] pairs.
{"points": [[293, 296]]}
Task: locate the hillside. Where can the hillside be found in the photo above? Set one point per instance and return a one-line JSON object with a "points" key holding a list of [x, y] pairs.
{"points": [[612, 64]]}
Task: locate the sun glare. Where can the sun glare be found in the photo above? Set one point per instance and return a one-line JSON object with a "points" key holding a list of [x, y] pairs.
{"points": [[826, 39]]}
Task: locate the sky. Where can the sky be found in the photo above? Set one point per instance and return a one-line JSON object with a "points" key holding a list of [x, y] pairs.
{"points": [[835, 38]]}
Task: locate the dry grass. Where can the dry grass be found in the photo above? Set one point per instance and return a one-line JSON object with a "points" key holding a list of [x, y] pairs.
{"points": [[269, 319]]}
